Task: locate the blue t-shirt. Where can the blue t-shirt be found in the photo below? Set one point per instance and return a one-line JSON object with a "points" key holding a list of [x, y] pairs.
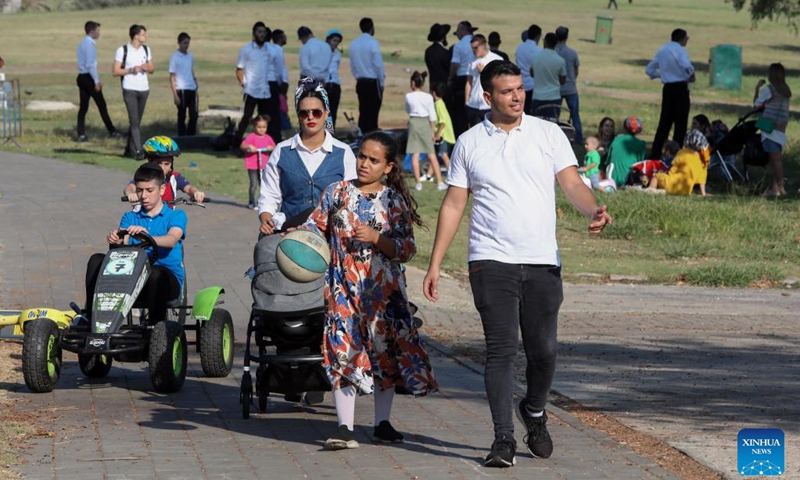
{"points": [[170, 258]]}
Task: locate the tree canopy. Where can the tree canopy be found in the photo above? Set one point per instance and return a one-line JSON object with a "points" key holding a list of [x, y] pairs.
{"points": [[772, 10]]}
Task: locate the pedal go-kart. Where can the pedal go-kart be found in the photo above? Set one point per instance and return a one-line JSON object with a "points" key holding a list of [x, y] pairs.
{"points": [[110, 333]]}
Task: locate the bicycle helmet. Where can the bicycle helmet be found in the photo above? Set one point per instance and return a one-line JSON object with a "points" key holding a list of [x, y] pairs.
{"points": [[160, 146]]}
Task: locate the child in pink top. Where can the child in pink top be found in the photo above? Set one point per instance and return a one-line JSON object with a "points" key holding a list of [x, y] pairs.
{"points": [[256, 147]]}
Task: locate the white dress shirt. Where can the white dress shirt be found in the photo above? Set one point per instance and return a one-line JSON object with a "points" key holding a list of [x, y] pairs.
{"points": [[87, 58], [366, 61], [256, 63], [333, 69], [512, 180], [182, 65], [420, 104], [315, 59], [270, 198], [671, 63], [276, 70], [524, 57], [463, 55]]}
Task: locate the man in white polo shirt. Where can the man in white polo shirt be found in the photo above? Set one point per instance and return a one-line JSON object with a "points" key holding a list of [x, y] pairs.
{"points": [[510, 163], [252, 72], [184, 85], [133, 62], [477, 108]]}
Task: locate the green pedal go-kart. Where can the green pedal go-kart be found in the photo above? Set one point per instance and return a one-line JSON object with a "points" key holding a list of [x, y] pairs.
{"points": [[110, 333]]}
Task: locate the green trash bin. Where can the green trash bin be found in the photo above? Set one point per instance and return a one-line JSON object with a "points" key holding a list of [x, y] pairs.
{"points": [[602, 32], [725, 62]]}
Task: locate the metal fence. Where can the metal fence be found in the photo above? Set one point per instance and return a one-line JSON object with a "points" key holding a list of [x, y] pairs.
{"points": [[10, 111]]}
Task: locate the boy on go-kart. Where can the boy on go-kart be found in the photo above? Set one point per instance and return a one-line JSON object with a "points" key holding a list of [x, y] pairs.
{"points": [[162, 150], [167, 226]]}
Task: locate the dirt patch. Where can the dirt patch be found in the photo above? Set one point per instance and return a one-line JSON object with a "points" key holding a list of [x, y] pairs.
{"points": [[15, 426], [647, 446]]}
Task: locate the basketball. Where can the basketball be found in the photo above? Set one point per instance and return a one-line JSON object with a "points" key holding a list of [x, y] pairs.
{"points": [[303, 255]]}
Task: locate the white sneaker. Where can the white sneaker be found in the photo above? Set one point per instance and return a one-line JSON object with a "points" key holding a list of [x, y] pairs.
{"points": [[441, 187], [418, 187], [424, 177]]}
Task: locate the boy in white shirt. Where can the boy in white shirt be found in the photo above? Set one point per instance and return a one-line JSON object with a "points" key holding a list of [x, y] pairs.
{"points": [[132, 63], [476, 106], [184, 85]]}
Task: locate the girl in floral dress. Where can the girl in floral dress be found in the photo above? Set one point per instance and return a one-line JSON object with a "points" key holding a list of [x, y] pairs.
{"points": [[370, 344]]}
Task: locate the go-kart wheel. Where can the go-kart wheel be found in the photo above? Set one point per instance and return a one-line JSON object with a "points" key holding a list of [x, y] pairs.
{"points": [[167, 357], [216, 344], [95, 365], [41, 355]]}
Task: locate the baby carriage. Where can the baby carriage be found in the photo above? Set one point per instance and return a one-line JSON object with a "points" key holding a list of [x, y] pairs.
{"points": [[743, 138], [553, 113], [286, 324]]}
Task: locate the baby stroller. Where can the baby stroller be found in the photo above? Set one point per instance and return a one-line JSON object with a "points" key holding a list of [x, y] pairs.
{"points": [[286, 325], [743, 138], [552, 113]]}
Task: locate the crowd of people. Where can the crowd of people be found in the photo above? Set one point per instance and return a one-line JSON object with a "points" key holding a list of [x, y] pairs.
{"points": [[482, 112]]}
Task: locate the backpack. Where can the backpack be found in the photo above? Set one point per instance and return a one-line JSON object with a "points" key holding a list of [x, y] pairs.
{"points": [[125, 57], [224, 141]]}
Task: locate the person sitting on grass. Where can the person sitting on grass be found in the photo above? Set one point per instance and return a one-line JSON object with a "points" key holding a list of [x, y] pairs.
{"points": [[624, 151], [689, 168], [167, 226], [162, 150], [642, 172]]}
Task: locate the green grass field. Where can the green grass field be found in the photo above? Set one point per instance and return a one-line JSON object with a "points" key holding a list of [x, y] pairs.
{"points": [[728, 239]]}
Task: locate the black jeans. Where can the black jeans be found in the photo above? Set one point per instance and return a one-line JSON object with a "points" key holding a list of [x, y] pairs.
{"points": [[510, 298], [135, 102], [86, 87], [189, 101], [250, 104], [160, 288], [274, 112], [370, 99], [526, 106], [334, 96], [675, 104]]}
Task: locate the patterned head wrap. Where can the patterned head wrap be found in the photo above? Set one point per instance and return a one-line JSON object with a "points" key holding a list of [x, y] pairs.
{"points": [[696, 141], [309, 84]]}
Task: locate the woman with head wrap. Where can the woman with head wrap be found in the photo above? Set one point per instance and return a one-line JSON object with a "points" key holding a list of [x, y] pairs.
{"points": [[301, 167], [689, 168]]}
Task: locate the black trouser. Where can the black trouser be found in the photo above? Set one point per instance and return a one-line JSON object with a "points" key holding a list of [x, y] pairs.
{"points": [[160, 288], [475, 116], [510, 298], [135, 102], [526, 106], [274, 112], [86, 87], [250, 104], [675, 106], [370, 98], [334, 96], [457, 107], [189, 101]]}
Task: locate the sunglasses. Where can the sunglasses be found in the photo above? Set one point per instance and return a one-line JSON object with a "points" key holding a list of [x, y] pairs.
{"points": [[314, 113]]}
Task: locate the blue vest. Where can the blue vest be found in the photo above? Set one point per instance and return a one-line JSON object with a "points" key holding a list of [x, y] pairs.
{"points": [[301, 191]]}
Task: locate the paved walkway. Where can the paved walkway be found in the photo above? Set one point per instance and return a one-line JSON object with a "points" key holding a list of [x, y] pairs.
{"points": [[686, 373]]}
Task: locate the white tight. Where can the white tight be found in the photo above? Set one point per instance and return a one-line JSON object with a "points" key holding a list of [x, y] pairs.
{"points": [[345, 401]]}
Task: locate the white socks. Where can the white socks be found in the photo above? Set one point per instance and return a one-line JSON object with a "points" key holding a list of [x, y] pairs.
{"points": [[345, 401], [383, 404]]}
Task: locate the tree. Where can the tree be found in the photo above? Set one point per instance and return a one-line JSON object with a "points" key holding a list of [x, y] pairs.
{"points": [[772, 10]]}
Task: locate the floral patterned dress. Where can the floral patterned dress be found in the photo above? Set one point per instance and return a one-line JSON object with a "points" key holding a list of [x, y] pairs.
{"points": [[369, 338]]}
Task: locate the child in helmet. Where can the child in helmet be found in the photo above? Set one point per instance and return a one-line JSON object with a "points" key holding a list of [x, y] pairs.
{"points": [[162, 150]]}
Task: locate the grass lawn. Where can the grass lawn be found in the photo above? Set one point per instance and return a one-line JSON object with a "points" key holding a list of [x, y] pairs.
{"points": [[732, 238]]}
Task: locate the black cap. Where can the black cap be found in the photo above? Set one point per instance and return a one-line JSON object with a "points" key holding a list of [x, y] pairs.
{"points": [[438, 31], [303, 32], [468, 26]]}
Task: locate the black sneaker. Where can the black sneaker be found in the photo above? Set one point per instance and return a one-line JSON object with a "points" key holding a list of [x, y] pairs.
{"points": [[538, 438], [139, 156], [344, 439], [503, 453], [385, 433], [115, 135], [313, 398]]}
